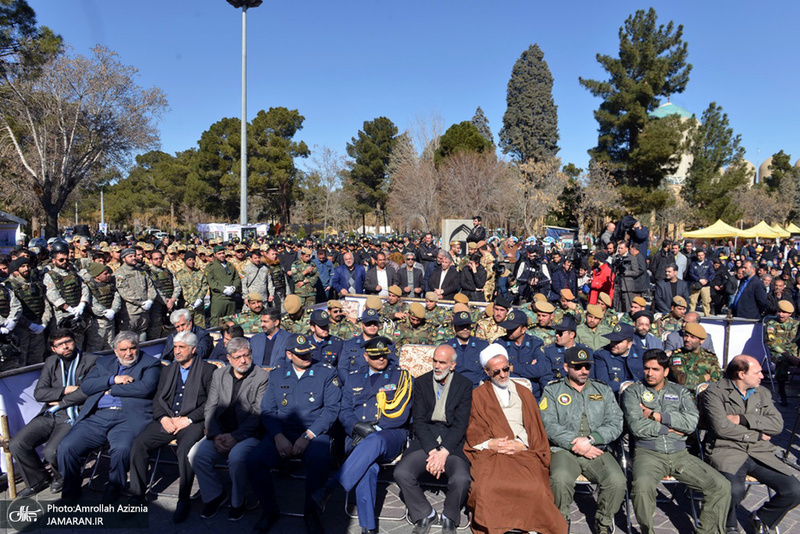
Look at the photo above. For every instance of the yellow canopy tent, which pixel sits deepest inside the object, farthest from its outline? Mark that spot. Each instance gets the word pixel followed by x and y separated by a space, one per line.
pixel 717 230
pixel 762 229
pixel 793 228
pixel 781 232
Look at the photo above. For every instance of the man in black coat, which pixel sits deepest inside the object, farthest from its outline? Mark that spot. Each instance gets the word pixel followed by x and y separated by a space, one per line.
pixel 178 414
pixel 379 277
pixel 668 289
pixel 59 388
pixel 478 232
pixel 183 322
pixel 445 280
pixel 751 300
pixel 442 400
pixel 409 278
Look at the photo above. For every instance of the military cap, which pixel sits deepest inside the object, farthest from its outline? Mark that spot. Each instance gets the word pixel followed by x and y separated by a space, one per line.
pixel 488 311
pixel 472 245
pixel 374 302
pixel 492 351
pixel 292 303
pixel 378 346
pixel 503 302
pixel 299 345
pixel 679 301
pixel 785 306
pixel 17 263
pixel 240 246
pixel 462 318
pixel 255 296
pixel 217 248
pixel 189 256
pixel 148 247
pixel 114 248
pixel 642 313
pixel 333 303
pixel 621 331
pixel 640 301
pixel 696 330
pixel 95 269
pixel 544 307
pixel 127 252
pixel 575 355
pixel 459 307
pixel 538 296
pixel 181 247
pixel 396 291
pixel 173 248
pixel 605 299
pixel 461 297
pixel 432 296
pixel 480 244
pixel 567 322
pixel 595 311
pixel 514 319
pixel 320 318
pixel 76 239
pixel 305 250
pixel 103 243
pixel 370 316
pixel 417 310
pixel 567 294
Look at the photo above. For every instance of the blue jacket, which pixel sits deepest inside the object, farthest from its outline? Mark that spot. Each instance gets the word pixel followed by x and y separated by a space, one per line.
pixel 698 272
pixel 360 394
pixel 613 370
pixel 204 344
pixel 552 357
pixel 340 275
pixel 753 302
pixel 526 360
pixel 562 279
pixel 136 397
pixel 468 361
pixel 258 344
pixel 351 357
pixel 327 351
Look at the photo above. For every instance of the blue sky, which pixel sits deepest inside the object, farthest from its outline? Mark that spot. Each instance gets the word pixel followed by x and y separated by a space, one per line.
pixel 342 63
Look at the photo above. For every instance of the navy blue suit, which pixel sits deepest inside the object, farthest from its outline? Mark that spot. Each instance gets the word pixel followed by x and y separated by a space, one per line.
pixel 351 358
pixel 119 427
pixel 526 360
pixel 753 301
pixel 341 274
pixel 468 363
pixel 328 350
pixel 360 470
pixel 204 344
pixel 290 406
pixel 553 359
pixel 613 370
pixel 258 344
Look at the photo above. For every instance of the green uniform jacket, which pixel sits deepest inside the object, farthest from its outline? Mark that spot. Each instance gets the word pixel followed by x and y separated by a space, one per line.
pixel 592 339
pixel 728 445
pixel 677 409
pixel 690 368
pixel 310 280
pixel 563 408
pixel 779 337
pixel 218 278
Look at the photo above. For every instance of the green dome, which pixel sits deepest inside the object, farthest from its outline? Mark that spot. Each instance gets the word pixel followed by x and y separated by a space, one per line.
pixel 665 110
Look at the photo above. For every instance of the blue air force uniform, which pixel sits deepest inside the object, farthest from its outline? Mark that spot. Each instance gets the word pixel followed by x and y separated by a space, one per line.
pixel 327 350
pixel 553 359
pixel 352 359
pixel 468 362
pixel 526 360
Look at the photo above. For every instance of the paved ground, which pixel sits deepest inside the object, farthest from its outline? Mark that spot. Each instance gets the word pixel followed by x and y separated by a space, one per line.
pixel 673 514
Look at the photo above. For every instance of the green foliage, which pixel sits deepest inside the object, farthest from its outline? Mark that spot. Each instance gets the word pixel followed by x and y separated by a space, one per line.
pixel 708 189
pixel 530 123
pixel 651 64
pixel 482 124
pixel 371 151
pixel 566 213
pixel 301 233
pixel 642 200
pixel 781 169
pixel 24 47
pixel 659 151
pixel 217 169
pixel 461 137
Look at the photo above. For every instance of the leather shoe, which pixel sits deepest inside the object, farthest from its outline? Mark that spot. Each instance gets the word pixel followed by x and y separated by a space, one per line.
pixel 267 521
pixel 182 510
pixel 313 520
pixel 758 526
pixel 57 485
pixel 365 530
pixel 423 526
pixel 212 507
pixel 448 526
pixel 33 490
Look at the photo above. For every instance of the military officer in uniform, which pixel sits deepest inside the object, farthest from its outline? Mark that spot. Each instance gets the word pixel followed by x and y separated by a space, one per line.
pixel 341 326
pixel 610 317
pixel 26 285
pixel 65 290
pixel 305 276
pixel 106 304
pixel 489 328
pixel 568 305
pixel 523 350
pixel 544 322
pixel 468 349
pixel 295 320
pixel 592 332
pixel 298 409
pixel 672 321
pixel 250 318
pixel 256 275
pixel 582 417
pixel 418 330
pixel 137 292
pixel 395 309
pixel 553 355
pixel 194 287
pixel 779 336
pixel 168 291
pixel 352 356
pixel 692 365
pixel 620 361
pixel 660 414
pixel 278 277
pixel 434 314
pixel 327 348
pixel 224 283
pixel 637 304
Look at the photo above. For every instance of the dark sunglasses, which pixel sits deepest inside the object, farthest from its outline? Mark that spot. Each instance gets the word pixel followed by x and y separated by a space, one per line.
pixel 503 370
pixel 580 366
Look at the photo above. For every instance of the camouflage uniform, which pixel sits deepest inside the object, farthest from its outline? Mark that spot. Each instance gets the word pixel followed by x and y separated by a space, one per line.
pixel 64 286
pixel 135 288
pixel 689 368
pixel 30 294
pixel 578 314
pixel 194 287
pixel 167 287
pixel 489 330
pixel 113 265
pixel 249 321
pixel 487 260
pixel 610 319
pixel 344 329
pixel 424 334
pixel 667 323
pixel 10 311
pixel 779 338
pixel 299 325
pixel 389 310
pixel 437 316
pixel 308 291
pixel 545 333
pixel 278 276
pixel 101 330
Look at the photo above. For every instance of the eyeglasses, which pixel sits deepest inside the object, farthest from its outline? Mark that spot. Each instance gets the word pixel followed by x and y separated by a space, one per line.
pixel 580 366
pixel 504 370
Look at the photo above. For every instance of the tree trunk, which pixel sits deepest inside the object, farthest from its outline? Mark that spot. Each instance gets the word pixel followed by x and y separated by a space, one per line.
pixel 51 224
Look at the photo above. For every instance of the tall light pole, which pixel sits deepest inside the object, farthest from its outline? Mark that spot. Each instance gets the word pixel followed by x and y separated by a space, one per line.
pixel 245 5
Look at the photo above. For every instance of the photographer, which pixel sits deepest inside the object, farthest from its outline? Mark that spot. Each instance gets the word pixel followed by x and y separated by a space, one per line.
pixel 473 278
pixel 602 280
pixel 626 271
pixel 564 278
pixel 532 275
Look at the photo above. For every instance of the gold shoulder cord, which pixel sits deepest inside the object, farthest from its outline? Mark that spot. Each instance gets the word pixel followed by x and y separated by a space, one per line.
pixel 400 400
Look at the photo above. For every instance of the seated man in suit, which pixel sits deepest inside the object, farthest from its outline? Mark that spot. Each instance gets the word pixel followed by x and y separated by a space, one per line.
pixel 441 404
pixel 183 322
pixel 409 277
pixel 269 347
pixel 178 413
pixel 229 331
pixel 232 429
pixel 379 277
pixel 668 289
pixel 119 405
pixel 445 280
pixel 59 388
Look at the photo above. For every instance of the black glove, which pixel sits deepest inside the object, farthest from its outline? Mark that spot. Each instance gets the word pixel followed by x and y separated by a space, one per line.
pixel 361 430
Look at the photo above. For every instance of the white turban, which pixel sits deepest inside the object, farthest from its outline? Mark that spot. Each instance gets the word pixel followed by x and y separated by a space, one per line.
pixel 495 349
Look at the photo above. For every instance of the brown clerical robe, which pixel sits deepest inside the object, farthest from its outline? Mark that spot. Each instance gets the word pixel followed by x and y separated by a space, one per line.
pixel 510 491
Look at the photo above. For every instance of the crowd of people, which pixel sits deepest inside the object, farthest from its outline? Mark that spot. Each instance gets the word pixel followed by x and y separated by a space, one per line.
pixel 563 367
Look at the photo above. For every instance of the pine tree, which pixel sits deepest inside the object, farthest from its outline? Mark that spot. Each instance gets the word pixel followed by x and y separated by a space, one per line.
pixel 370 151
pixel 482 124
pixel 530 123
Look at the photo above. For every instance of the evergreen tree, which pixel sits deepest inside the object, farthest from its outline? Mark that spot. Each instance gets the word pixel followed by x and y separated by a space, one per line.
pixel 651 64
pixel 482 124
pixel 463 136
pixel 530 123
pixel 371 151
pixel 785 181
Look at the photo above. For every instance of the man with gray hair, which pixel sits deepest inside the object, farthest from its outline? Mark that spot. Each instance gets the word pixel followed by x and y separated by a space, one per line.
pixel 232 429
pixel 120 389
pixel 183 321
pixel 178 414
pixel 445 280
